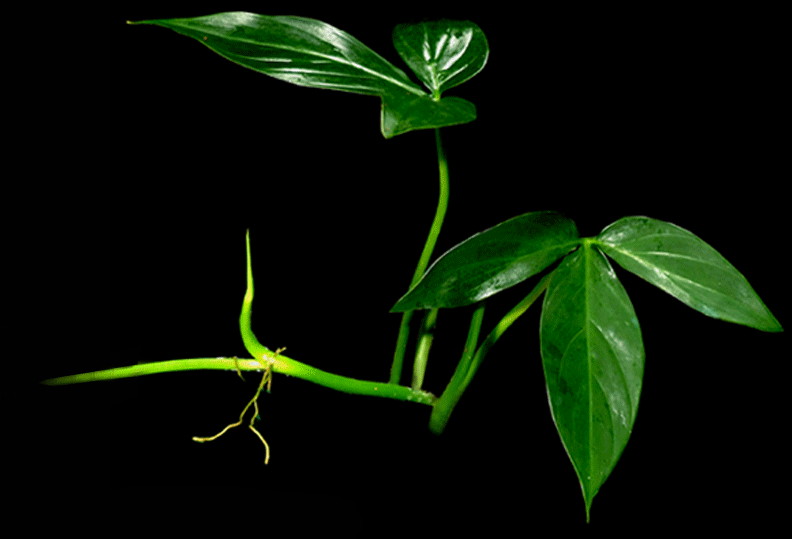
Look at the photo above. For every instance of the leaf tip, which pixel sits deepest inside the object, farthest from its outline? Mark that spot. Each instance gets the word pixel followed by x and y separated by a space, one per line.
pixel 588 509
pixel 777 328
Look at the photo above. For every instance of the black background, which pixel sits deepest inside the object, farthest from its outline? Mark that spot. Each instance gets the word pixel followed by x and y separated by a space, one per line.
pixel 150 156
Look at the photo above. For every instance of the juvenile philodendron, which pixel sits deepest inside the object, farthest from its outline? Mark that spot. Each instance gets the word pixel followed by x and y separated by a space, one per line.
pixel 591 347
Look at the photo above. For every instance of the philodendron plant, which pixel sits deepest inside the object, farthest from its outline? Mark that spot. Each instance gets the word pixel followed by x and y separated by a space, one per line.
pixel 591 345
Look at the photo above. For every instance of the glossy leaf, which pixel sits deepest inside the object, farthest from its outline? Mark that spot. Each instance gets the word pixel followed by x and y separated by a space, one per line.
pixel 311 53
pixel 443 54
pixel 686 267
pixel 493 260
pixel 593 359
pixel 409 112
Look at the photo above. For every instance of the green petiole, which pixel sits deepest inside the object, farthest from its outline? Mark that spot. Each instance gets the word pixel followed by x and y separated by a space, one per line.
pixel 468 365
pixel 423 262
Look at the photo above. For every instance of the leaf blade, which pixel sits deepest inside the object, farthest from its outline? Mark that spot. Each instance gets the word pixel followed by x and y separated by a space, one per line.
pixel 401 114
pixel 492 261
pixel 302 51
pixel 593 359
pixel 683 265
pixel 443 54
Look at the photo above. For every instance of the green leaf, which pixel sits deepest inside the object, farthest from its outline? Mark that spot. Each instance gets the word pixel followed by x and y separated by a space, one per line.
pixel 593 359
pixel 302 51
pixel 408 112
pixel 311 53
pixel 680 263
pixel 493 260
pixel 443 54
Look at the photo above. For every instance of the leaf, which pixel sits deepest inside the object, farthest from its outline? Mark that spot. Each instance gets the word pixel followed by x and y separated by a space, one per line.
pixel 401 114
pixel 680 263
pixel 302 51
pixel 593 358
pixel 311 53
pixel 443 54
pixel 493 260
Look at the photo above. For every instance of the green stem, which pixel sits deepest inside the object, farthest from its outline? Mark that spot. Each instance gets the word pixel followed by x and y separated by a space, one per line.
pixel 401 348
pixel 281 364
pixel 465 371
pixel 262 355
pixel 423 262
pixel 470 348
pixel 424 344
pixel 142 369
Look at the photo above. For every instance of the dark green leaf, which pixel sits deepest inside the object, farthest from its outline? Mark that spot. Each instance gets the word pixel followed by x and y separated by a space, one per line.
pixel 311 53
pixel 593 359
pixel 302 51
pixel 491 261
pixel 408 112
pixel 683 265
pixel 443 54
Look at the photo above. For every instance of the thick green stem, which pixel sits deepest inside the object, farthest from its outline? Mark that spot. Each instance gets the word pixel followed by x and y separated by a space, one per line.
pixel 426 255
pixel 467 369
pixel 281 364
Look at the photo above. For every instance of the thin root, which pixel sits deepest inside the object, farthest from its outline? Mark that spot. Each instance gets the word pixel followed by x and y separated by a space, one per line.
pixel 266 378
pixel 216 436
pixel 266 445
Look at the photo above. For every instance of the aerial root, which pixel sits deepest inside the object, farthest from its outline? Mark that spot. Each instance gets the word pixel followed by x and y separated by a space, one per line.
pixel 236 364
pixel 267 378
